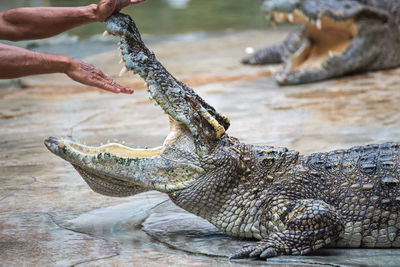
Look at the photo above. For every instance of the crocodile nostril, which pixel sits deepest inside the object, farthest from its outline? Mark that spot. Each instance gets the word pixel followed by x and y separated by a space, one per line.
pixel 51 141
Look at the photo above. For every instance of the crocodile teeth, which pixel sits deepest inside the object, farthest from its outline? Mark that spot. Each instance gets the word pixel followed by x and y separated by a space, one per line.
pixel 106 33
pixel 121 61
pixel 123 71
pixel 319 24
pixel 290 17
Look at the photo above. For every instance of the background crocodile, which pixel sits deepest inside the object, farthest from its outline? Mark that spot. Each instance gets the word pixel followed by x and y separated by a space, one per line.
pixel 336 38
pixel 294 204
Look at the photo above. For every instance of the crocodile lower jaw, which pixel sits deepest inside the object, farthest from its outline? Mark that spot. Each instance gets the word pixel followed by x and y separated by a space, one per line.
pixel 122 151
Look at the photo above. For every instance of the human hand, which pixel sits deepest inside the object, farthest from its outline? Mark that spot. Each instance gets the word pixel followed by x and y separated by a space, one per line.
pixel 88 74
pixel 105 8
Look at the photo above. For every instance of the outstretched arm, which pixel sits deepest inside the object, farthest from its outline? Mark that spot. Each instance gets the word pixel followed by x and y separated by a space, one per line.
pixel 42 22
pixel 17 62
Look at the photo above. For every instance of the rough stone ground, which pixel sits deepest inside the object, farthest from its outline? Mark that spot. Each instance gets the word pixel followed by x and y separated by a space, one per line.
pixel 50 217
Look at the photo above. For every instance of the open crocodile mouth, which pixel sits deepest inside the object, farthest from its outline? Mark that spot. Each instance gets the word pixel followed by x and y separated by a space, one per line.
pixel 118 170
pixel 327 37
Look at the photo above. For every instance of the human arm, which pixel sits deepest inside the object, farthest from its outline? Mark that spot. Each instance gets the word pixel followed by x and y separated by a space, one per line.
pixel 42 22
pixel 17 62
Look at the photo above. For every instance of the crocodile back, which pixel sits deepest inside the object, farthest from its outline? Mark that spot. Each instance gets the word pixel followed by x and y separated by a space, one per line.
pixel 363 184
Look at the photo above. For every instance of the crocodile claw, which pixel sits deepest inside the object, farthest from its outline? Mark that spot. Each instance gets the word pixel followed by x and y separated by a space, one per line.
pixel 268 253
pixel 262 250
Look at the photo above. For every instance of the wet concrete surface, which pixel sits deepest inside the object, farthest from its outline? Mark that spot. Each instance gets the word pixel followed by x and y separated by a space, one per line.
pixel 50 217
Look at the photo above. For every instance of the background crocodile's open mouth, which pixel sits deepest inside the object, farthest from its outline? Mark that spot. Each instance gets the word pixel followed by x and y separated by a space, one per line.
pixel 326 38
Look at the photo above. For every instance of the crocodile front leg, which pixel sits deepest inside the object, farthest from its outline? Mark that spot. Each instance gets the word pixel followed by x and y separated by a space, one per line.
pixel 278 52
pixel 309 225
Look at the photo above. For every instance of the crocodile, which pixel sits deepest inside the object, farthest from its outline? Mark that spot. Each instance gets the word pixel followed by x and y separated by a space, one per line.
pixel 335 38
pixel 293 204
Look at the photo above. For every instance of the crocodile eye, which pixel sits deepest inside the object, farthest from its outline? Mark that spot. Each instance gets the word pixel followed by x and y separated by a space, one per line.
pixel 268 160
pixel 269 157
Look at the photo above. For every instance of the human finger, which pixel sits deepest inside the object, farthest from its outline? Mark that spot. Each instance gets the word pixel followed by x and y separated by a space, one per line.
pixel 105 8
pixel 109 84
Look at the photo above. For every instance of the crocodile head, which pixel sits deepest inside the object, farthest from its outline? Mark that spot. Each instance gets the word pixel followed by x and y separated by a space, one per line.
pixel 336 37
pixel 195 130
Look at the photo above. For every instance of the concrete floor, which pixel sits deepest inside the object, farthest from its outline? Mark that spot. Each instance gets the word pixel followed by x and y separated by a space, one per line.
pixel 50 217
